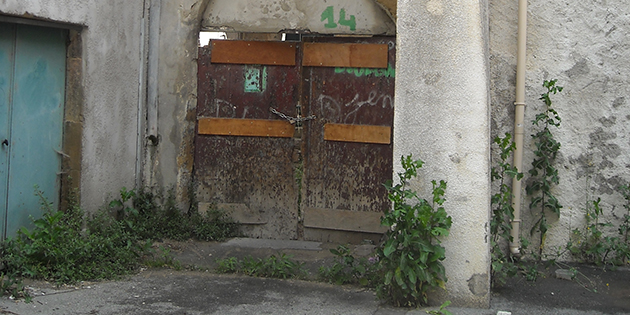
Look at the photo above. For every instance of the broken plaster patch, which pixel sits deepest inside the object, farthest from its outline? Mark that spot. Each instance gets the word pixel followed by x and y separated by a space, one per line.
pixel 479 284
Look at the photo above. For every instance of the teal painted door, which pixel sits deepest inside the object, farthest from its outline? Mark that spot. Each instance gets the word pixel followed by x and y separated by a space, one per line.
pixel 32 90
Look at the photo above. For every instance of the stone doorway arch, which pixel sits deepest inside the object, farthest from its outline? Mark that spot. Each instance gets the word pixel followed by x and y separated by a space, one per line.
pixel 338 196
pixel 177 24
pixel 362 17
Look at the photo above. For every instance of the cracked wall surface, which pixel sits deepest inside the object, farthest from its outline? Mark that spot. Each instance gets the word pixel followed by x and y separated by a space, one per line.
pixel 584 45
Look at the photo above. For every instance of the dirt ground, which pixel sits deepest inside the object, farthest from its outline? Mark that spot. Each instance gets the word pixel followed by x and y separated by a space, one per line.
pixel 593 288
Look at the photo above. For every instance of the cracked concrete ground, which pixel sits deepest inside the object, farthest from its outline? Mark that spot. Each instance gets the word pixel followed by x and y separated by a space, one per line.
pixel 165 291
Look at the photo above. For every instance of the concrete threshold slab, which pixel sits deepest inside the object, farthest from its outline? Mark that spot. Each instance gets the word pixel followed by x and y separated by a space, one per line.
pixel 273 244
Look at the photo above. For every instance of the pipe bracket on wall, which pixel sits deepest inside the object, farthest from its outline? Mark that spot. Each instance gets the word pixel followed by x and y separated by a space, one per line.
pixel 5 142
pixel 153 140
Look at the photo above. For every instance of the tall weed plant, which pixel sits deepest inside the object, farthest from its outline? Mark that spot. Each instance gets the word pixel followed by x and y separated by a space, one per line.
pixel 411 256
pixel 544 175
pixel 503 264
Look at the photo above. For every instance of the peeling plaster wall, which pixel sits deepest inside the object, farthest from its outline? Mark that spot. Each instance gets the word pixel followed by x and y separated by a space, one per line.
pixel 169 164
pixel 442 117
pixel 111 62
pixel 272 16
pixel 585 46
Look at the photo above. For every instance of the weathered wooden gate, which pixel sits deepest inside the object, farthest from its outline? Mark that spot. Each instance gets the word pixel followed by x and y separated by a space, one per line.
pixel 294 138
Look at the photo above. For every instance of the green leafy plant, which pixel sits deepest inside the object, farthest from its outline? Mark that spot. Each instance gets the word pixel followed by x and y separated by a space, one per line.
pixel 121 205
pixel 531 272
pixel 348 269
pixel 624 227
pixel 442 310
pixel 68 246
pixel 58 249
pixel 503 265
pixel 159 220
pixel 411 254
pixel 281 266
pixel 543 173
pixel 593 245
pixel 12 285
pixel 162 258
pixel 228 265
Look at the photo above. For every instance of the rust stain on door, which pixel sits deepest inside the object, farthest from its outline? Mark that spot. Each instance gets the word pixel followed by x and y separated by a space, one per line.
pixel 256 172
pixel 261 174
pixel 348 176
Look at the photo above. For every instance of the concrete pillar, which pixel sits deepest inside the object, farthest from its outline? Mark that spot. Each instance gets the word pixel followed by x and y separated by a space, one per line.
pixel 442 117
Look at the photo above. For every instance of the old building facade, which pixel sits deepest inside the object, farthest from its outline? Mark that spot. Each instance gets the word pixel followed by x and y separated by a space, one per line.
pixel 131 108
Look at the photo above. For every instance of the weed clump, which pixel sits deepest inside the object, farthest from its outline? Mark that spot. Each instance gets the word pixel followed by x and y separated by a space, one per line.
pixel 411 255
pixel 58 249
pixel 348 269
pixel 66 247
pixel 281 267
pixel 408 265
pixel 592 245
pixel 168 222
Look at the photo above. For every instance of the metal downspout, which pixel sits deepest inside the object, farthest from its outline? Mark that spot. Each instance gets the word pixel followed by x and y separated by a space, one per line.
pixel 152 137
pixel 519 116
pixel 142 95
pixel 152 72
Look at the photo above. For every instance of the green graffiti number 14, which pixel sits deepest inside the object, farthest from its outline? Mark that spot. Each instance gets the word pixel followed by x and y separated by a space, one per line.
pixel 329 14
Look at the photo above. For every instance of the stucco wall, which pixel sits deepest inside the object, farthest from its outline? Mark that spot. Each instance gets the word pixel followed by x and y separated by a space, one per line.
pixel 111 42
pixel 307 15
pixel 584 45
pixel 169 161
pixel 442 117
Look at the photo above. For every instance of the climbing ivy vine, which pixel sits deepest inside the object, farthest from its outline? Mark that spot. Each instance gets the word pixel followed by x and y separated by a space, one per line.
pixel 543 174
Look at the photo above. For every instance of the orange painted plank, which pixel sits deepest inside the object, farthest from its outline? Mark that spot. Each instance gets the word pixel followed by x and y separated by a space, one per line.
pixel 358 133
pixel 345 55
pixel 253 52
pixel 245 127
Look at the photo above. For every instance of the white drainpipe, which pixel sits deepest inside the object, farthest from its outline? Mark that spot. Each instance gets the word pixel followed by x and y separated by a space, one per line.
pixel 519 116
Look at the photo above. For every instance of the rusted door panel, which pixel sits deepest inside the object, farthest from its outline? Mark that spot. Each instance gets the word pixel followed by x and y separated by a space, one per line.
pixel 340 175
pixel 251 173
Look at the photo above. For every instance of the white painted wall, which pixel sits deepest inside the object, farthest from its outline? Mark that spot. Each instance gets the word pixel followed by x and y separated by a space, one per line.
pixel 111 61
pixel 585 46
pixel 441 117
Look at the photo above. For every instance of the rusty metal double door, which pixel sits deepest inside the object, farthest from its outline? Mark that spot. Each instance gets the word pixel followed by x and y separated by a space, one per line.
pixel 294 138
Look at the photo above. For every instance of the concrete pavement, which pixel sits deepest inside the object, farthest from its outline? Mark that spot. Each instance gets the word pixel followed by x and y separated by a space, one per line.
pixel 165 291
